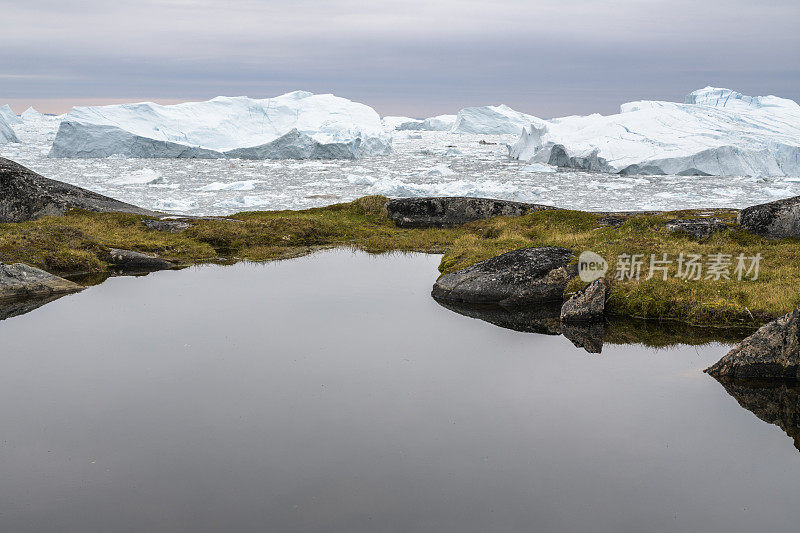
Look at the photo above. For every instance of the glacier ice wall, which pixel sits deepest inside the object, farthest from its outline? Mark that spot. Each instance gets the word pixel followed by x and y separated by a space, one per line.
pixel 297 125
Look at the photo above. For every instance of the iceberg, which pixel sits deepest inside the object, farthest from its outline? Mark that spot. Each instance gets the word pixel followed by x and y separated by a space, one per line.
pixel 714 131
pixel 492 120
pixel 437 123
pixel 296 125
pixel 391 123
pixel 7 134
pixel 7 114
pixel 31 114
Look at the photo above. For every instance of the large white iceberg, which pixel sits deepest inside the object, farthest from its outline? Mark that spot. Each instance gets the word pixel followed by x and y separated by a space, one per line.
pixel 7 134
pixel 296 125
pixel 7 114
pixel 492 120
pixel 714 132
pixel 437 123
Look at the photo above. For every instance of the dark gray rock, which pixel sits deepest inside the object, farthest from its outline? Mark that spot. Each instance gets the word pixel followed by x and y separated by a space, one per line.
pixel 25 195
pixel 700 228
pixel 774 219
pixel 521 277
pixel 542 319
pixel 586 305
pixel 171 226
pixel 19 281
pixel 452 211
pixel 129 261
pixel 771 352
pixel 586 335
pixel 773 401
pixel 592 162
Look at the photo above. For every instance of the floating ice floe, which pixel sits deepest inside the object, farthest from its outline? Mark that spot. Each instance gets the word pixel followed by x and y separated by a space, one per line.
pixel 9 116
pixel 714 132
pixel 493 120
pixel 244 185
pixel 296 125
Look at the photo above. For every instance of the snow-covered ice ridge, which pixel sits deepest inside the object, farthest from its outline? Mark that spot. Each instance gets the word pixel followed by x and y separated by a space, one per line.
pixel 296 125
pixel 714 132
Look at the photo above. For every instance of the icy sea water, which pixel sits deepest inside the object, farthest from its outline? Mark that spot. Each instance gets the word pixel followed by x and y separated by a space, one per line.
pixel 331 393
pixel 423 164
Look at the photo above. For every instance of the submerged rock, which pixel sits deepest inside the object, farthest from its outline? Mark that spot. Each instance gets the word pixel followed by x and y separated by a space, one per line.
pixel 129 261
pixel 25 195
pixel 19 281
pixel 520 277
pixel 453 211
pixel 774 219
pixel 586 305
pixel 771 352
pixel 700 228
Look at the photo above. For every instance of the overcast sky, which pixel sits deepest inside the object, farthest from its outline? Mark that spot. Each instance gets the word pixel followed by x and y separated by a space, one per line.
pixel 410 57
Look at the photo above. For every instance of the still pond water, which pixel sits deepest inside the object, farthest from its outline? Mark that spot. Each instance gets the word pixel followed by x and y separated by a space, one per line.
pixel 331 393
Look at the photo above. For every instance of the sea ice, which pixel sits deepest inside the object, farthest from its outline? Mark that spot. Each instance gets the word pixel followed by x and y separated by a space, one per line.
pixel 297 125
pixel 714 132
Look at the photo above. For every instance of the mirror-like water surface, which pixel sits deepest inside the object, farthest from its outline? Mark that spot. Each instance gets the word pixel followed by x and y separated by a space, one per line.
pixel 331 393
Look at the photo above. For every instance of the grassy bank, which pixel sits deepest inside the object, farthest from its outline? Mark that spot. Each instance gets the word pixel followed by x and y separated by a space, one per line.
pixel 79 242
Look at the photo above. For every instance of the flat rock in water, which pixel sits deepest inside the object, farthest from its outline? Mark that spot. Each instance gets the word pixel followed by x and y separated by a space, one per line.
pixel 25 195
pixel 19 281
pixel 453 211
pixel 586 305
pixel 700 228
pixel 129 261
pixel 771 352
pixel 521 277
pixel 774 219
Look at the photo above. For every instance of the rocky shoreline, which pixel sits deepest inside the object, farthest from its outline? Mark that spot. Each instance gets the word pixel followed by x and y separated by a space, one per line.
pixel 525 277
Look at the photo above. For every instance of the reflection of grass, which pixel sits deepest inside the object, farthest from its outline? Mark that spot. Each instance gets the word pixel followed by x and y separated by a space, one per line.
pixel 662 334
pixel 79 241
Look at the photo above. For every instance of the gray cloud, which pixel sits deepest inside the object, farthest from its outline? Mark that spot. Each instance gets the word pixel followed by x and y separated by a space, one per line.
pixel 413 57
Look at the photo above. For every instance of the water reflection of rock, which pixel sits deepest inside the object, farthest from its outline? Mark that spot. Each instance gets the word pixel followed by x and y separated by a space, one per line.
pixel 592 336
pixel 544 319
pixel 773 401
pixel 11 309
